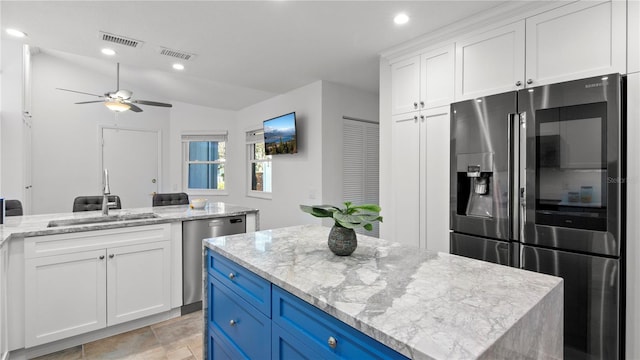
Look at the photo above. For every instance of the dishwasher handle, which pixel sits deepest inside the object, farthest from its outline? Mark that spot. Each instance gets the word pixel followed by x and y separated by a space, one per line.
pixel 235 220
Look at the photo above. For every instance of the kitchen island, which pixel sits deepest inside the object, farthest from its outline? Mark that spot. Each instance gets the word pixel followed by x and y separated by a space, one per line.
pixel 420 304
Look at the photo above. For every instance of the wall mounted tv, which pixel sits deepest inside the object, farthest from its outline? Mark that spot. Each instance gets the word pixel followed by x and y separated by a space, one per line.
pixel 280 135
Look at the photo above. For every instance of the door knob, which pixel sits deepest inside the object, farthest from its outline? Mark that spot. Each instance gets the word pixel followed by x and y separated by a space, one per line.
pixel 518 83
pixel 529 81
pixel 153 181
pixel 111 256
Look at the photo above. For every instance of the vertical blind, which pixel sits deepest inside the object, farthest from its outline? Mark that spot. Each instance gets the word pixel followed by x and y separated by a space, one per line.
pixel 360 168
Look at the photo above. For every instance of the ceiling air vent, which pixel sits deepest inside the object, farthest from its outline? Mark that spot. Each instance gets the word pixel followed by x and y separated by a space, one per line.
pixel 120 40
pixel 176 54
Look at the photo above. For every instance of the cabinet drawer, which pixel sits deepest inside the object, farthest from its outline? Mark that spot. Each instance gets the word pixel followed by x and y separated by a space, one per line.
pixel 217 350
pixel 237 323
pixel 314 329
pixel 252 288
pixel 286 346
pixel 59 244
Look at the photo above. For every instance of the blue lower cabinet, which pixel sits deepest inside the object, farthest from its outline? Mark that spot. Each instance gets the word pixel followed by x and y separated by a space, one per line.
pixel 250 318
pixel 285 346
pixel 323 334
pixel 252 288
pixel 216 350
pixel 236 324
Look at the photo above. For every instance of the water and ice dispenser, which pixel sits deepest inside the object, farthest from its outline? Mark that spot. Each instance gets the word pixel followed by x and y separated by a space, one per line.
pixel 475 177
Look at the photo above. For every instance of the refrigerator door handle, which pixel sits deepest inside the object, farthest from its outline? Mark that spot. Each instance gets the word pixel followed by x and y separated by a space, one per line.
pixel 522 173
pixel 514 171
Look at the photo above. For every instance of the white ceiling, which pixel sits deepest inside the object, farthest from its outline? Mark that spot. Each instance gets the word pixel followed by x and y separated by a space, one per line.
pixel 247 51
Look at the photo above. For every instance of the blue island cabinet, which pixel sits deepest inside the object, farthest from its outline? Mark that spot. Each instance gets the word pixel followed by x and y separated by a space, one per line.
pixel 250 318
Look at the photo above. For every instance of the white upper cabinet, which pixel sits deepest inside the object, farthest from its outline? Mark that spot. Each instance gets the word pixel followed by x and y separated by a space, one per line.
pixel 436 77
pixel 405 85
pixel 490 62
pixel 634 36
pixel 423 82
pixel 575 41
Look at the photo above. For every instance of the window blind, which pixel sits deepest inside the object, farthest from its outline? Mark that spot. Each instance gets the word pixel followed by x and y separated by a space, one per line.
pixel 214 136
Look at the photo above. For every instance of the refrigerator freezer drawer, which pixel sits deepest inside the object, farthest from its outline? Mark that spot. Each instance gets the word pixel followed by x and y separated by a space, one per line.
pixel 591 306
pixel 475 247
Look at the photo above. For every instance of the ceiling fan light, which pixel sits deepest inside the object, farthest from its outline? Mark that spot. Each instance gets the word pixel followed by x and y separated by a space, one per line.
pixel 117 106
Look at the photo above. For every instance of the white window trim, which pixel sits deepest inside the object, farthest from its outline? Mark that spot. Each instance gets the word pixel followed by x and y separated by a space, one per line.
pixel 253 137
pixel 185 138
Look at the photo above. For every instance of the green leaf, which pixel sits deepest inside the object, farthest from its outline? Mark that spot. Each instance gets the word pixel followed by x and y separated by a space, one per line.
pixel 350 217
pixel 320 211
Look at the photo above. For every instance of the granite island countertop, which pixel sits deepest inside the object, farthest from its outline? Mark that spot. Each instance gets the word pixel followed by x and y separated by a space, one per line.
pixel 423 304
pixel 36 225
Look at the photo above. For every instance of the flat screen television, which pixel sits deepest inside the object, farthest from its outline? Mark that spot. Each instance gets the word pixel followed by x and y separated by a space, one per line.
pixel 280 135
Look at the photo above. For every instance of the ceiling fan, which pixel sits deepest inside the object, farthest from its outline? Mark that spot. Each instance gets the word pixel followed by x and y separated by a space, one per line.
pixel 119 100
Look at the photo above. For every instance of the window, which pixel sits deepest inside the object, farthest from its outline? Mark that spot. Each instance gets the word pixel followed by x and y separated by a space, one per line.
pixel 204 162
pixel 259 165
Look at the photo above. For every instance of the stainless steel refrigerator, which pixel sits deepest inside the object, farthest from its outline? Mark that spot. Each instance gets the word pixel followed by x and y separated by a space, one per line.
pixel 537 182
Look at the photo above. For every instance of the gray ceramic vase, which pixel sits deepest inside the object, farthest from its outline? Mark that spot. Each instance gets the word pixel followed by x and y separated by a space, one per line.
pixel 342 241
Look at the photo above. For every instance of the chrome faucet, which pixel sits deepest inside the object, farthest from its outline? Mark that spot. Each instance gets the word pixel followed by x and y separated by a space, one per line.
pixel 106 191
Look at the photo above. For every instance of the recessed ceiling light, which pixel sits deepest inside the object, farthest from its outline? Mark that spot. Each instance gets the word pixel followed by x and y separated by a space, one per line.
pixel 108 51
pixel 16 33
pixel 178 66
pixel 401 19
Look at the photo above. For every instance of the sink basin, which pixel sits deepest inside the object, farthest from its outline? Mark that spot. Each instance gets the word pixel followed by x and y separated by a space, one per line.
pixel 101 219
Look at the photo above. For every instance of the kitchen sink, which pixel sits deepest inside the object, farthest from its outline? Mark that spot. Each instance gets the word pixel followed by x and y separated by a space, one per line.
pixel 101 219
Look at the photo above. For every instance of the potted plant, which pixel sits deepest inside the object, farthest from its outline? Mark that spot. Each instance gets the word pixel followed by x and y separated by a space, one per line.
pixel 342 237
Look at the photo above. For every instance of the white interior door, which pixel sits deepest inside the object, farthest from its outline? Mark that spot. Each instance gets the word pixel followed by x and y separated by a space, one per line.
pixel 132 158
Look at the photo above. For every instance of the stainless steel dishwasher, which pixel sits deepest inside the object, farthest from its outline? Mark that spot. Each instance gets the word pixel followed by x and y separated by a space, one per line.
pixel 193 232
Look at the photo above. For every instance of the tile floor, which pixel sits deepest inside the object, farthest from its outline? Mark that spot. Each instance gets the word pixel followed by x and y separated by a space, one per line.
pixel 175 339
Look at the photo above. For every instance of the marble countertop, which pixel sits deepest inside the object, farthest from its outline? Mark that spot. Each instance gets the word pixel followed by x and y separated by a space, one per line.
pixel 36 225
pixel 423 304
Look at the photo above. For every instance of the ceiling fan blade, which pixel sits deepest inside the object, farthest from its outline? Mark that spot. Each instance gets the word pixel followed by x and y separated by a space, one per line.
pixel 79 92
pixel 152 103
pixel 89 102
pixel 134 108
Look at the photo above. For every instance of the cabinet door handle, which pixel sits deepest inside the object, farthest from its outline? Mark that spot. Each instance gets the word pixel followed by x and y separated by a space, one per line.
pixel 111 256
pixel 529 81
pixel 332 342
pixel 518 83
pixel 232 322
pixel 422 118
pixel 421 104
pixel 415 119
pixel 232 276
pixel 101 257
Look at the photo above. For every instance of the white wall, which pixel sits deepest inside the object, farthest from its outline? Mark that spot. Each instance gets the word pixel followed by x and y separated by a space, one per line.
pixel 188 118
pixel 66 152
pixel 296 178
pixel 11 140
pixel 314 174
pixel 339 101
